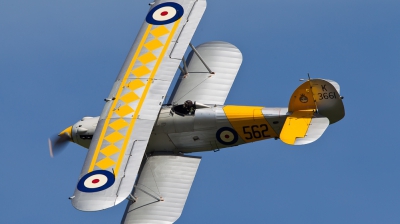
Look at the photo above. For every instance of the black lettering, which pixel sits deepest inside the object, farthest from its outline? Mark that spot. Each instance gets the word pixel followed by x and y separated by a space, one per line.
pixel 256 133
pixel 246 132
pixel 264 131
pixel 324 88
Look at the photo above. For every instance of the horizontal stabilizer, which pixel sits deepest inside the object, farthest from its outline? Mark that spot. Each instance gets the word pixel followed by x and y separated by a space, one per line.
pixel 303 127
pixel 162 189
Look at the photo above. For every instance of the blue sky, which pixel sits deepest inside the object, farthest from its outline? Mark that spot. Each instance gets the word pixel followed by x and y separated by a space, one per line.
pixel 59 59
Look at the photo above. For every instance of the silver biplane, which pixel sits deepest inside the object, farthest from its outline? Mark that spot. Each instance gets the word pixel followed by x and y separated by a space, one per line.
pixel 139 147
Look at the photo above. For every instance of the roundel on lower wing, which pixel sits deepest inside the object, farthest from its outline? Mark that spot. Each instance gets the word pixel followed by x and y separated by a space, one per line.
pixel 164 13
pixel 95 181
pixel 227 136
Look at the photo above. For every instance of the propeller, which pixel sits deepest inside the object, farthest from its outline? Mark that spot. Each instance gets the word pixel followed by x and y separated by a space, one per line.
pixel 58 142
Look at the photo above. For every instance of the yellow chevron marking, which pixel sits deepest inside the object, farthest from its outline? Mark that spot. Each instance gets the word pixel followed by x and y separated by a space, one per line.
pixel 105 163
pixel 124 110
pixel 153 44
pixel 129 97
pixel 110 150
pixel 161 30
pixel 146 90
pixel 141 71
pixel 247 119
pixel 147 57
pixel 114 137
pixel 107 120
pixel 135 84
pixel 118 124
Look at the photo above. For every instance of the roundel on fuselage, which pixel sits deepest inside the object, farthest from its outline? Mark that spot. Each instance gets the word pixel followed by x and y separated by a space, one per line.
pixel 227 136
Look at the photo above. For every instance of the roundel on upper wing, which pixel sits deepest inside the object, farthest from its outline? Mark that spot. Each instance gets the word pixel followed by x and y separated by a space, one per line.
pixel 95 181
pixel 227 136
pixel 165 13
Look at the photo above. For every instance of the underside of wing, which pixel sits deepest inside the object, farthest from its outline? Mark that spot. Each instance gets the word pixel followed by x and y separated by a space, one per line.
pixel 125 125
pixel 224 59
pixel 161 190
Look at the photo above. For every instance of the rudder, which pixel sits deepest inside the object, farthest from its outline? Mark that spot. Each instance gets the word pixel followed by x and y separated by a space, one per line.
pixel 313 106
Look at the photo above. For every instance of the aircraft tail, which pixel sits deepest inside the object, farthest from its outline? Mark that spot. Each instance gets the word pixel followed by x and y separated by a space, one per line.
pixel 313 106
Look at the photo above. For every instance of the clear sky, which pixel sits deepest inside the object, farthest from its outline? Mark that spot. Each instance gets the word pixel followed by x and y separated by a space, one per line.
pixel 58 61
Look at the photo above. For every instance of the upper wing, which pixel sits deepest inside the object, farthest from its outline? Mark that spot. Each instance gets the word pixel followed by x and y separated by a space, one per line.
pixel 224 59
pixel 121 136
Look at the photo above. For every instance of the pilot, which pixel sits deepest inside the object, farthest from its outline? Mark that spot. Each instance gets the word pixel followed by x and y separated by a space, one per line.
pixel 189 107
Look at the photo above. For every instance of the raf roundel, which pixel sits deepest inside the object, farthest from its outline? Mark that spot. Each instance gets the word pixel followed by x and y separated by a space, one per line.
pixel 95 181
pixel 227 136
pixel 165 13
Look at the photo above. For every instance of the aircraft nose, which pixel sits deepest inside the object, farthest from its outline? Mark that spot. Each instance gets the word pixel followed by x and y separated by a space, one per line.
pixel 67 131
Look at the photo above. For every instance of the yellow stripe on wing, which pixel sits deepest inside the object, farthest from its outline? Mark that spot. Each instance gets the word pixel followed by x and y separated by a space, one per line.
pixel 120 121
pixel 147 87
pixel 107 120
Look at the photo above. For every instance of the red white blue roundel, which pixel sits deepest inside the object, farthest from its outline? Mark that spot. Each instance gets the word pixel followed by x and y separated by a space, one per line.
pixel 227 136
pixel 95 181
pixel 164 13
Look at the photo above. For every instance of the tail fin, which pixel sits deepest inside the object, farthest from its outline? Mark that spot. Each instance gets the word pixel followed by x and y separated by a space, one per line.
pixel 314 105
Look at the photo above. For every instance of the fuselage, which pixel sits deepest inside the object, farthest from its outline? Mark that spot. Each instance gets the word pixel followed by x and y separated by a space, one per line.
pixel 214 128
pixel 207 128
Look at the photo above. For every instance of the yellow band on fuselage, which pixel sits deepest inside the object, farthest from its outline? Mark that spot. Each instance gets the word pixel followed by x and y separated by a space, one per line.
pixel 249 122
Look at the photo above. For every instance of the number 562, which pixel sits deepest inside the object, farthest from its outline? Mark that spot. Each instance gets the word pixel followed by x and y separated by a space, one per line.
pixel 256 131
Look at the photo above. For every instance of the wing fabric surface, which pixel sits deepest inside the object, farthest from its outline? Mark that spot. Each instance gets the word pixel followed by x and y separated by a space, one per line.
pixel 122 134
pixel 162 189
pixel 199 85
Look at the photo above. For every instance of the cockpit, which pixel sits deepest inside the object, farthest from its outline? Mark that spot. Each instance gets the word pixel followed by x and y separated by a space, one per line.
pixel 188 108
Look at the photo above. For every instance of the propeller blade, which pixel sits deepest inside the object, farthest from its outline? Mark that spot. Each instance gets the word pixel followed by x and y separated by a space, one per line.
pixel 58 142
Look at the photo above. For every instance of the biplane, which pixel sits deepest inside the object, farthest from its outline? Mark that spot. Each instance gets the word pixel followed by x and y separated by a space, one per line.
pixel 139 148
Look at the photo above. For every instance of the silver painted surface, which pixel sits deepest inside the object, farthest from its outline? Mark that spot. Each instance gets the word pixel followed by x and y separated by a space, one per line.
pixel 222 121
pixel 183 124
pixel 87 123
pixel 204 119
pixel 175 133
pixel 276 117
pixel 317 127
pixel 224 59
pixel 186 33
pixel 334 84
pixel 193 141
pixel 162 189
pixel 141 133
pixel 332 108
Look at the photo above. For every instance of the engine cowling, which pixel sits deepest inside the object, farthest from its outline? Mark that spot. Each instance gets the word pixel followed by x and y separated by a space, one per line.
pixel 83 130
